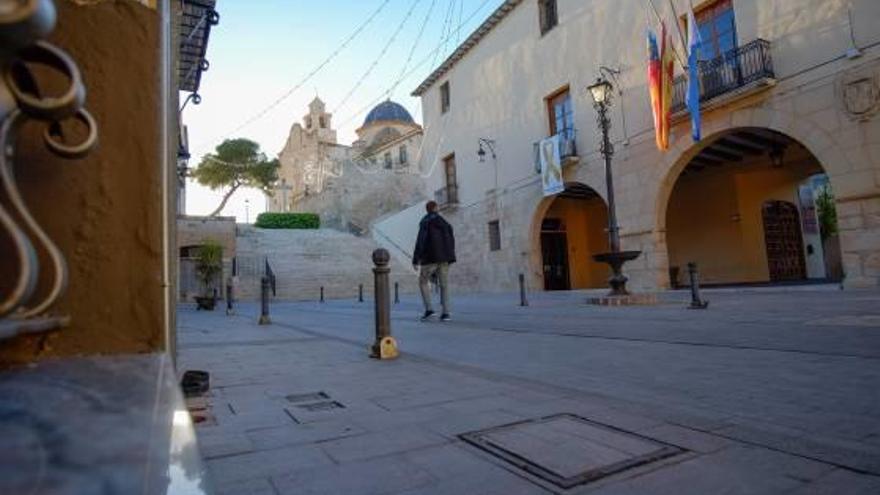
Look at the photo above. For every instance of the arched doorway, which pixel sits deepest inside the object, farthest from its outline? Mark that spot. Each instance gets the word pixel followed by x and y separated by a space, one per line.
pixel 572 228
pixel 746 209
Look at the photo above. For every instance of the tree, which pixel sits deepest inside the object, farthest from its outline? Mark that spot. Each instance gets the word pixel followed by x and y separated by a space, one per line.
pixel 827 213
pixel 236 163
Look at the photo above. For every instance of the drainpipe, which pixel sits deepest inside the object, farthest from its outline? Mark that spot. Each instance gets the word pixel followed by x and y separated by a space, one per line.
pixel 165 164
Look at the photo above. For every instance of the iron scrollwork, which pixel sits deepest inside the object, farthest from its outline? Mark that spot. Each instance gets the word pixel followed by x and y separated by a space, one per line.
pixel 24 306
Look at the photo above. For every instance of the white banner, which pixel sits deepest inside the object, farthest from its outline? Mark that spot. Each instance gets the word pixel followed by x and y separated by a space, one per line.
pixel 551 165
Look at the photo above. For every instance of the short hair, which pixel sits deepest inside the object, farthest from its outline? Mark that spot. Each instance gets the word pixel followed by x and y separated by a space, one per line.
pixel 431 207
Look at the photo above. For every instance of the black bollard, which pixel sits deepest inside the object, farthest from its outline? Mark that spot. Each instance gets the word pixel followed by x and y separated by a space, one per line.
pixel 229 309
pixel 361 293
pixel 385 346
pixel 696 301
pixel 264 301
pixel 522 291
pixel 322 294
pixel 396 293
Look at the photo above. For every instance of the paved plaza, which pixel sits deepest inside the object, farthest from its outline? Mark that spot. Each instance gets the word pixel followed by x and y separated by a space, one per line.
pixel 769 391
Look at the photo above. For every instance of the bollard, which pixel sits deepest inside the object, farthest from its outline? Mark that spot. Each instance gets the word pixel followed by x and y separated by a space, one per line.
pixel 385 347
pixel 229 310
pixel 696 301
pixel 322 295
pixel 396 293
pixel 264 301
pixel 360 292
pixel 522 291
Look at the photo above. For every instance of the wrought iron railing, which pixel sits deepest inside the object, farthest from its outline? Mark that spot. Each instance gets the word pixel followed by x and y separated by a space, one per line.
pixel 447 196
pixel 25 305
pixel 567 147
pixel 735 69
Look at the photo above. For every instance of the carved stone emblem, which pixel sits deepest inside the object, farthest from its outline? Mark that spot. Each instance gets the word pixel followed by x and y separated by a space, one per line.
pixel 860 94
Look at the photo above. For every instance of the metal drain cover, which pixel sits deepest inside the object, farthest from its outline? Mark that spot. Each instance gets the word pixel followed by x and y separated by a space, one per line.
pixel 568 450
pixel 310 397
pixel 321 406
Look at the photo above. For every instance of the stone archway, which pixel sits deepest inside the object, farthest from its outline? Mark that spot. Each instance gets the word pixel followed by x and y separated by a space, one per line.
pixel 573 223
pixel 682 151
pixel 713 214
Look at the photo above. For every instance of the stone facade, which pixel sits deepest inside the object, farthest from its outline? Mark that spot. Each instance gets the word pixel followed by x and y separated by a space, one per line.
pixel 809 104
pixel 349 187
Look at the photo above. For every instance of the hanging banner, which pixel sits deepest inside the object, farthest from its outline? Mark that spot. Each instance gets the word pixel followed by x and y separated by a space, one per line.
pixel 551 165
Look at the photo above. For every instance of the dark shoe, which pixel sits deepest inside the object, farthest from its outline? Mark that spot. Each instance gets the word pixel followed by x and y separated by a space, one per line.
pixel 445 317
pixel 427 316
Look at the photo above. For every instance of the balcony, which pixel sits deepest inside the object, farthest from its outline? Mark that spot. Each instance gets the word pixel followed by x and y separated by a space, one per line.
pixel 567 149
pixel 740 71
pixel 447 197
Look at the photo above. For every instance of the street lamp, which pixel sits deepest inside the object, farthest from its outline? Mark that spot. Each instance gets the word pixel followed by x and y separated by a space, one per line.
pixel 481 152
pixel 601 92
pixel 247 211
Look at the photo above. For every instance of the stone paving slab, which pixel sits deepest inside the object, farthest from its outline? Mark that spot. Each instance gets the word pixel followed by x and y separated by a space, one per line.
pixel 762 401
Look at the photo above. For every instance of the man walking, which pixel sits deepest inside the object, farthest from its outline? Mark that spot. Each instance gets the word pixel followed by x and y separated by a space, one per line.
pixel 435 250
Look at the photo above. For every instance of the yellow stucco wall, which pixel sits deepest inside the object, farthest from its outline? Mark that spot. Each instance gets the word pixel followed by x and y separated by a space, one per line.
pixel 585 223
pixel 715 219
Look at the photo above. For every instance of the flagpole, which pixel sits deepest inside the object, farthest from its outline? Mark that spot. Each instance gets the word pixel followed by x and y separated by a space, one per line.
pixel 660 19
pixel 677 24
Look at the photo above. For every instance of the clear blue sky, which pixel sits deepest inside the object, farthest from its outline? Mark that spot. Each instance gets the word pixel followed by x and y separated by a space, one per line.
pixel 262 49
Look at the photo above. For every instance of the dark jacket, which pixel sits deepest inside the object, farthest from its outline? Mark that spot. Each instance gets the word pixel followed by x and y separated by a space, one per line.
pixel 436 242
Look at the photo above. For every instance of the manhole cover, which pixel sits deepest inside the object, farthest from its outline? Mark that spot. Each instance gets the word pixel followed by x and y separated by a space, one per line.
pixel 321 406
pixel 307 397
pixel 568 450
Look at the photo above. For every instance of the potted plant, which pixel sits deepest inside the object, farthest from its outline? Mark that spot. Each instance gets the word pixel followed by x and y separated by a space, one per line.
pixel 209 264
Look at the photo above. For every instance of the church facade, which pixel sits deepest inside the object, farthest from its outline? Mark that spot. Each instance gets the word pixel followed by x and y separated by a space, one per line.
pixel 350 186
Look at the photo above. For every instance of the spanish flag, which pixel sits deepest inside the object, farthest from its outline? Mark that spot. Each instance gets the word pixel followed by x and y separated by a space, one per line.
pixel 666 82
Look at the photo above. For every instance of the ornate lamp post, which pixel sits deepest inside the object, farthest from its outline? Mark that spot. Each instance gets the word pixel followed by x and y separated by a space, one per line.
pixel 601 91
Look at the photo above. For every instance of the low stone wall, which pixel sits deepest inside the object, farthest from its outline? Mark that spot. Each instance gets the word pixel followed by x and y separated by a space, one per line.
pixel 305 260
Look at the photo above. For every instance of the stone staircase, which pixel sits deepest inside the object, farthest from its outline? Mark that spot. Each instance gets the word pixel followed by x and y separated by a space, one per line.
pixel 305 260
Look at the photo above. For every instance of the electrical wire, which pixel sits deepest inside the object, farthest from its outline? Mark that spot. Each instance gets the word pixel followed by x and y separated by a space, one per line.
pixel 379 57
pixel 415 68
pixel 335 53
pixel 412 50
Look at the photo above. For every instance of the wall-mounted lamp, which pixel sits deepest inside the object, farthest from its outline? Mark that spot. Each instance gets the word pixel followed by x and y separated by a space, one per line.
pixel 490 143
pixel 777 154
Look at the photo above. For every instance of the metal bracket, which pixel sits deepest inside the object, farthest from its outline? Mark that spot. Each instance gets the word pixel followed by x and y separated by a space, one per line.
pixel 24 305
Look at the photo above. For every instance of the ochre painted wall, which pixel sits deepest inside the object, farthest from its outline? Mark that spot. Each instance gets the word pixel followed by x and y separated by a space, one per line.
pixel 104 211
pixel 715 219
pixel 585 223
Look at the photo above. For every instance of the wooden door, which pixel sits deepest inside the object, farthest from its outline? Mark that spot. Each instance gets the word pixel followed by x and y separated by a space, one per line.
pixel 785 246
pixel 554 250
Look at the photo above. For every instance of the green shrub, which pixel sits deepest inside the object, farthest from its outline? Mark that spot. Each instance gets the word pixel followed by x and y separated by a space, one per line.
pixel 209 264
pixel 288 221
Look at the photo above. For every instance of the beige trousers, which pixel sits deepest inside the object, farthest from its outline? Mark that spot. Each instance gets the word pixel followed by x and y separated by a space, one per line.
pixel 442 271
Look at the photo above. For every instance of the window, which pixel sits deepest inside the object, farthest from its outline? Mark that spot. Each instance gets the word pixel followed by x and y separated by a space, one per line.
pixel 547 15
pixel 451 181
pixel 308 122
pixel 388 162
pixel 717 26
pixel 321 122
pixel 561 114
pixel 403 158
pixel 444 97
pixel 494 236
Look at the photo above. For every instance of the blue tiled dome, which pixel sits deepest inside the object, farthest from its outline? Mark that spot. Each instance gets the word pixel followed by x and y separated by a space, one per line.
pixel 388 110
